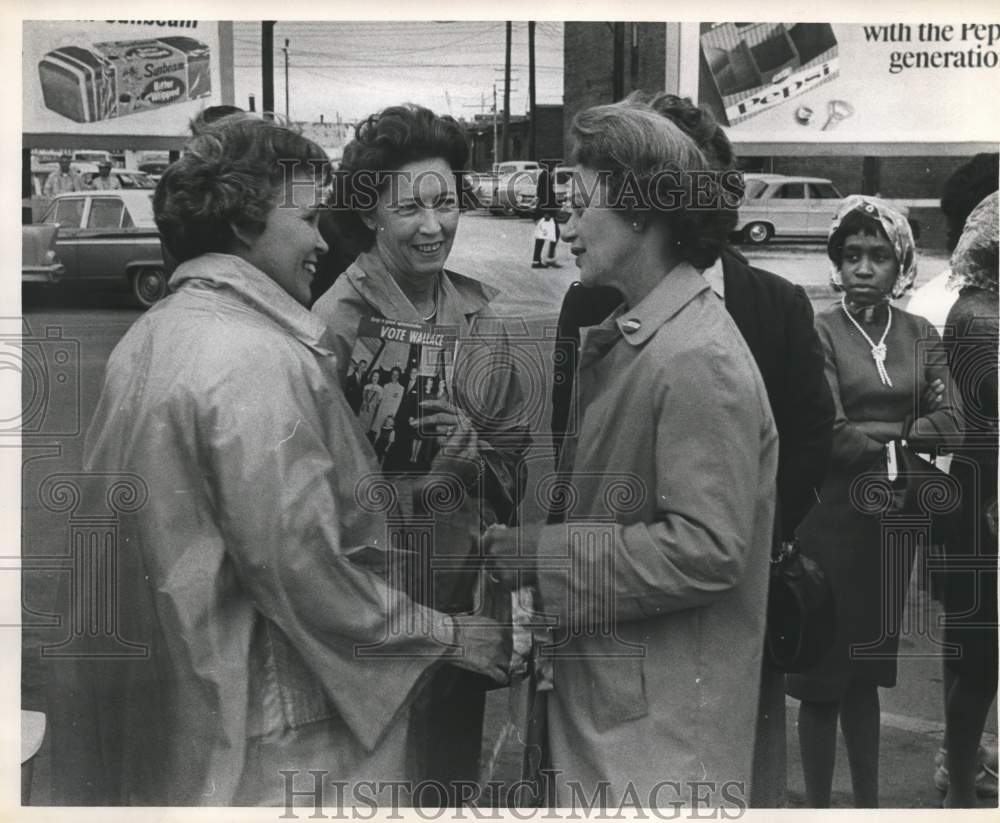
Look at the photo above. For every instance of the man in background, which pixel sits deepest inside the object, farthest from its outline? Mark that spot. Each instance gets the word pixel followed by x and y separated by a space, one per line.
pixel 104 179
pixel 62 179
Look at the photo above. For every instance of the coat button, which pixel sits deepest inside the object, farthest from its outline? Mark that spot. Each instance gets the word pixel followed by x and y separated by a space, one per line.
pixel 631 326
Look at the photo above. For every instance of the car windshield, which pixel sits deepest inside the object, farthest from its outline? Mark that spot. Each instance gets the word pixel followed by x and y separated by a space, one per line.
pixel 755 188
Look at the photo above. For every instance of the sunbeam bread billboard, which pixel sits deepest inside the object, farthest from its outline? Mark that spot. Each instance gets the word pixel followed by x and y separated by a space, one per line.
pixel 137 76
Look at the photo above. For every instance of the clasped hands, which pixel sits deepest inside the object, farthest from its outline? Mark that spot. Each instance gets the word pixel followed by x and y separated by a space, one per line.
pixel 488 646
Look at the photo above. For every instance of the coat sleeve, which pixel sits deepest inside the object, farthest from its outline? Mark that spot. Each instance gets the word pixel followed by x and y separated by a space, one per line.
pixel 489 381
pixel 710 474
pixel 804 417
pixel 940 427
pixel 277 482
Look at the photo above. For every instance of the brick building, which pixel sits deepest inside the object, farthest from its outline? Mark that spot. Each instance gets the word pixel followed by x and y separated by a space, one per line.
pixel 548 137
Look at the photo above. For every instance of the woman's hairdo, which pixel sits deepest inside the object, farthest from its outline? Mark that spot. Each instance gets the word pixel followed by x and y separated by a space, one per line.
pixel 696 123
pixel 855 222
pixel 231 174
pixel 384 143
pixel 667 160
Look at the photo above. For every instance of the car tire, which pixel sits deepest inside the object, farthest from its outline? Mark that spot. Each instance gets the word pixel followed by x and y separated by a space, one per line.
pixel 149 285
pixel 757 233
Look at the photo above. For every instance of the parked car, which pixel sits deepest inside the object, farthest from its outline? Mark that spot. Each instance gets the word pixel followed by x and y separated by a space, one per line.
pixel 127 178
pixel 778 205
pixel 516 186
pixel 39 261
pixel 110 238
pixel 560 185
pixel 40 202
pixel 154 168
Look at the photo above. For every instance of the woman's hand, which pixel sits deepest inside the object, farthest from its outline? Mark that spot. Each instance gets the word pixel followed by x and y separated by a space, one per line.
pixel 484 646
pixel 454 429
pixel 933 396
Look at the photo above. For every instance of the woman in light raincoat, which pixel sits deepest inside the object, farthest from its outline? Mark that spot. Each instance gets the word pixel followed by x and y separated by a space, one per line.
pixel 658 576
pixel 250 574
pixel 396 196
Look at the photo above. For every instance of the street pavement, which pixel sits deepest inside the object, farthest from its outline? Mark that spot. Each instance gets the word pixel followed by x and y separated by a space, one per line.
pixel 498 251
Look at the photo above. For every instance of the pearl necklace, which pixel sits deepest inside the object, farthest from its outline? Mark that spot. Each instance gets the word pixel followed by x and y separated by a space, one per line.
pixel 434 310
pixel 878 349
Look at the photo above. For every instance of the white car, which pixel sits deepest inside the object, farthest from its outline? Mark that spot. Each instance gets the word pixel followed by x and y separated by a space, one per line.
pixel 778 205
pixel 127 178
pixel 516 187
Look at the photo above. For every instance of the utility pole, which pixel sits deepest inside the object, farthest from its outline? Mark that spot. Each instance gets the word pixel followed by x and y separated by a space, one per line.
pixel 506 96
pixel 287 118
pixel 267 65
pixel 496 157
pixel 618 58
pixel 633 68
pixel 532 125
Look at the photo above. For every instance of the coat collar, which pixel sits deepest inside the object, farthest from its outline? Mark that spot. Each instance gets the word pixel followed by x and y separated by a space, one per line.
pixel 228 274
pixel 461 297
pixel 673 293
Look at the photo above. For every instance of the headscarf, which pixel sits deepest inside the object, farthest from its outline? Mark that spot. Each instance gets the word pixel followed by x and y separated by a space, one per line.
pixel 896 228
pixel 974 261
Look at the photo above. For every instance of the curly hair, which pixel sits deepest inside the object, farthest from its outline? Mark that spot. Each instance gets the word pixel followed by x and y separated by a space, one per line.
pixel 383 143
pixel 655 166
pixel 232 173
pixel 698 124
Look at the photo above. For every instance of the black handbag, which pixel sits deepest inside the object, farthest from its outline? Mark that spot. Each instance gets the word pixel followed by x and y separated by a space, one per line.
pixel 920 488
pixel 801 613
pixel 912 473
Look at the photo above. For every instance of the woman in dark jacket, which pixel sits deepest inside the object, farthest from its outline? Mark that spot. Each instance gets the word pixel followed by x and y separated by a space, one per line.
pixel 970 590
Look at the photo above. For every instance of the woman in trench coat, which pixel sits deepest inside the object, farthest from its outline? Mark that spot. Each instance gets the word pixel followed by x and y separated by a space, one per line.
pixel 247 574
pixel 658 573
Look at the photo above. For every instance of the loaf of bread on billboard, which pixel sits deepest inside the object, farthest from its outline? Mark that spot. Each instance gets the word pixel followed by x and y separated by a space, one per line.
pixel 118 78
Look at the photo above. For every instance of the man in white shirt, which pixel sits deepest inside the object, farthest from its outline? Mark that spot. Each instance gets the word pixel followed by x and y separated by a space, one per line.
pixel 105 180
pixel 62 179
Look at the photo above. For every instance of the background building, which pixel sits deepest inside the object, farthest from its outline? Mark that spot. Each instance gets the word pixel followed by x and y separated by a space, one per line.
pixel 604 61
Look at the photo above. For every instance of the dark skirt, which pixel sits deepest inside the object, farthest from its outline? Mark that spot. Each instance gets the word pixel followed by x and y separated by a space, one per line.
pixel 868 560
pixel 969 584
